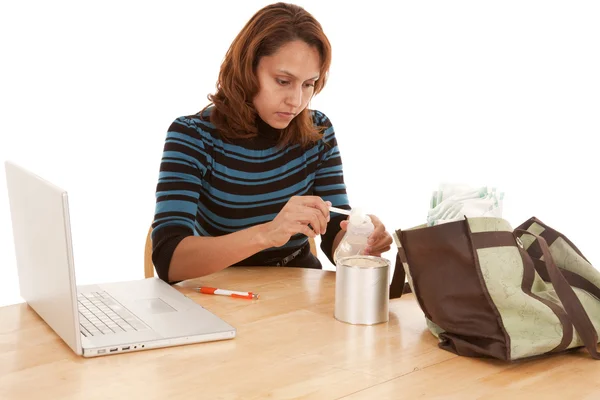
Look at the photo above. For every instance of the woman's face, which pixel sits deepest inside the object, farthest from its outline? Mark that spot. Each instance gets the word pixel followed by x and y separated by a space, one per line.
pixel 287 82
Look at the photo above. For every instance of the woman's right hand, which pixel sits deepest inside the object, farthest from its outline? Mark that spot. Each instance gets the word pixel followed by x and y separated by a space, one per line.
pixel 295 217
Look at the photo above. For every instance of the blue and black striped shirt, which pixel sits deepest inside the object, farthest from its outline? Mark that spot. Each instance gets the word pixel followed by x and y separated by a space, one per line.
pixel 210 186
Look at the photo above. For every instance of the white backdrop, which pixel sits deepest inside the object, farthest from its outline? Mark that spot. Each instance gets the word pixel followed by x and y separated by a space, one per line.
pixel 503 94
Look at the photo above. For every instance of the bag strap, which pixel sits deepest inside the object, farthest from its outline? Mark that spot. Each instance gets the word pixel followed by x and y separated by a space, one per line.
pixel 579 317
pixel 397 284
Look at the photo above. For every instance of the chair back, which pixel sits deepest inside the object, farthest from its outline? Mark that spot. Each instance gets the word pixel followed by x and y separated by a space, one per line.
pixel 148 265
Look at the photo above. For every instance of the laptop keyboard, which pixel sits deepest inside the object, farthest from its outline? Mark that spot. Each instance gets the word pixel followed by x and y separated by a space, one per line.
pixel 100 314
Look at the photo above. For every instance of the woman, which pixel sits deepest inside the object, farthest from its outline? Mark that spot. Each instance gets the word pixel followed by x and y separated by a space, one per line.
pixel 249 178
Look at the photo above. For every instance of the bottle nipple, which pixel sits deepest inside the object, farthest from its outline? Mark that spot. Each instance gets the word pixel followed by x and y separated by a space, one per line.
pixel 357 217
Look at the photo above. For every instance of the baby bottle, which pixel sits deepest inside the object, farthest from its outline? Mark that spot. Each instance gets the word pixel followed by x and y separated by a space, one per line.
pixel 357 233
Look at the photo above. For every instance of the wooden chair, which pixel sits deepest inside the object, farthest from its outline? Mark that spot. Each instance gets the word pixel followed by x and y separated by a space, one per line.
pixel 149 266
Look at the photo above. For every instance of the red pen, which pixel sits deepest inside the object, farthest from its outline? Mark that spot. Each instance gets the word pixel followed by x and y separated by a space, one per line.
pixel 224 292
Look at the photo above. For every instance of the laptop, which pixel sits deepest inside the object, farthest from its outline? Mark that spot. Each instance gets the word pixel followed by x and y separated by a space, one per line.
pixel 93 320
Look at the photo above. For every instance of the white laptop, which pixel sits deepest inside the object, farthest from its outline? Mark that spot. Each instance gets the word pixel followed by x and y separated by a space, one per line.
pixel 94 320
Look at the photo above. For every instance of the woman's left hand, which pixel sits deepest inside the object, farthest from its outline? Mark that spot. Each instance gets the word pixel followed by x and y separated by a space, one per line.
pixel 379 241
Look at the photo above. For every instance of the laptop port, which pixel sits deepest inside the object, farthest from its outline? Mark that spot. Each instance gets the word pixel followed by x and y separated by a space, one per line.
pixel 114 349
pixel 101 351
pixel 125 348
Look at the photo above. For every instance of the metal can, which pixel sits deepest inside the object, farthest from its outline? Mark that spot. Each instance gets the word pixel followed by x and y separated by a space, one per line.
pixel 362 290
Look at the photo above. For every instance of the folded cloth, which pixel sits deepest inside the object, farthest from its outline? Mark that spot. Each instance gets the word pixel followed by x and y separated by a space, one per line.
pixel 455 202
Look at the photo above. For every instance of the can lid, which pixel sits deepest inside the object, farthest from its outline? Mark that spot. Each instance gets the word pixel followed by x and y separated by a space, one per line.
pixel 368 262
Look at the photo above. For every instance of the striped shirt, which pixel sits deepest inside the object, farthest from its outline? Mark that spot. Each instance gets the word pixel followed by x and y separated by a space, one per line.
pixel 211 186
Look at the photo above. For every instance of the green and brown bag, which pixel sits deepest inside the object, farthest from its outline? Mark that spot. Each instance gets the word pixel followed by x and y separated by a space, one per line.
pixel 490 291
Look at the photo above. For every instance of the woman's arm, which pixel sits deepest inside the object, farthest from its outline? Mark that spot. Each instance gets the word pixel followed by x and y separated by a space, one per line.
pixel 197 256
pixel 329 184
pixel 337 240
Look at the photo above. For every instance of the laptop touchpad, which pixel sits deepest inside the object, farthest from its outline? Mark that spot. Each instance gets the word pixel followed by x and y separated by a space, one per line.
pixel 155 306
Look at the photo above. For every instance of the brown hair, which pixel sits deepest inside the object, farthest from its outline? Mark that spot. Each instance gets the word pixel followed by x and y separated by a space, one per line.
pixel 270 28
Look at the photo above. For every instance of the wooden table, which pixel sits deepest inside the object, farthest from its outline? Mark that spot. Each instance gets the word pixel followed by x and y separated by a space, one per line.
pixel 288 346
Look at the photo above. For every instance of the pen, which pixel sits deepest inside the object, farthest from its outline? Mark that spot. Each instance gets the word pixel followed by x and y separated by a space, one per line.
pixel 339 210
pixel 224 292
